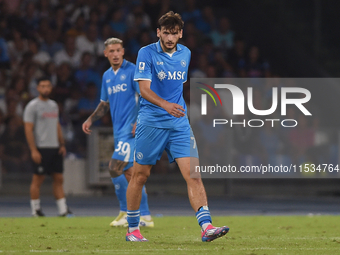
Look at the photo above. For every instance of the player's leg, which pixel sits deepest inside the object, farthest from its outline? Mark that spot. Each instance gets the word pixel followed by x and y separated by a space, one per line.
pixel 116 168
pixel 183 148
pixel 133 196
pixel 39 171
pixel 120 183
pixel 150 143
pixel 119 162
pixel 58 193
pixel 122 162
pixel 37 180
pixel 128 173
pixel 57 185
pixel 56 166
pixel 145 215
pixel 195 187
pixel 139 176
pixel 198 200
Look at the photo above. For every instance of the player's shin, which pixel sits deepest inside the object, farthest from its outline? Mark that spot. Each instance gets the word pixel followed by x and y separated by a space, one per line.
pixel 133 198
pixel 134 192
pixel 120 183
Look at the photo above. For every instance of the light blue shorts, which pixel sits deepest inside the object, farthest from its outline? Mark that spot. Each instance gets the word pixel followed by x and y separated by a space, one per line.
pixel 152 141
pixel 124 150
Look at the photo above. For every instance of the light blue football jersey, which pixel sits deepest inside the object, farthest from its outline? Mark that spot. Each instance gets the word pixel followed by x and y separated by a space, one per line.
pixel 167 74
pixel 119 90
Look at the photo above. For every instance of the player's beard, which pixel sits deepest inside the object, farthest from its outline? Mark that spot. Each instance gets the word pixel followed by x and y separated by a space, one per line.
pixel 45 95
pixel 167 48
pixel 117 64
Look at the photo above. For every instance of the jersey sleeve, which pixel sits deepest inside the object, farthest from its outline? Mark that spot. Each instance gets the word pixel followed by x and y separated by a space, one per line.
pixel 29 113
pixel 103 94
pixel 143 66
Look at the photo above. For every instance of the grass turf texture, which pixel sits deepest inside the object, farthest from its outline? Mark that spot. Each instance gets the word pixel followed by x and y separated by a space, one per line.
pixel 172 235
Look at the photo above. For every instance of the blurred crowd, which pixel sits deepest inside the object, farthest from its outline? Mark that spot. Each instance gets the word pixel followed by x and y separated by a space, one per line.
pixel 64 40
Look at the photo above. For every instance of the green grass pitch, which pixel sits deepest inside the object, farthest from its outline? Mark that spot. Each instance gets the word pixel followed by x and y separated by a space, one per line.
pixel 172 235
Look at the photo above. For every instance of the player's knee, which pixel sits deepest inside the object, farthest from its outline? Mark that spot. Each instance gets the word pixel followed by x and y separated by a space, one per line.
pixel 115 172
pixel 35 185
pixel 37 181
pixel 116 168
pixel 140 177
pixel 58 179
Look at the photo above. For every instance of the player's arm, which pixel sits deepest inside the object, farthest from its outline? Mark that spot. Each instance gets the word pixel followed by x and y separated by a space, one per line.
pixel 35 154
pixel 175 110
pixel 62 148
pixel 100 111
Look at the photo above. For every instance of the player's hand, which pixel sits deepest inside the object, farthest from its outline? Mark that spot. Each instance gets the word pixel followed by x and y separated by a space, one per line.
pixel 86 127
pixel 62 150
pixel 36 156
pixel 134 129
pixel 175 110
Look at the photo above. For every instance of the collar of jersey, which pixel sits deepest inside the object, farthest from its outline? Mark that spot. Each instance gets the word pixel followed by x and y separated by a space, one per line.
pixel 159 47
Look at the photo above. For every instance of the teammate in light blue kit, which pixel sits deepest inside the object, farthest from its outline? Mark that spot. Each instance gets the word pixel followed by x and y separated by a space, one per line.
pixel 162 124
pixel 119 93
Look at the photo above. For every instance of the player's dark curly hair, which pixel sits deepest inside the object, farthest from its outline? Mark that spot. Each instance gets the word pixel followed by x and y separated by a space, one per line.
pixel 43 78
pixel 170 21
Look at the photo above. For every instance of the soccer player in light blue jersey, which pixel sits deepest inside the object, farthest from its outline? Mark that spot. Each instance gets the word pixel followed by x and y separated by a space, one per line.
pixel 119 93
pixel 162 124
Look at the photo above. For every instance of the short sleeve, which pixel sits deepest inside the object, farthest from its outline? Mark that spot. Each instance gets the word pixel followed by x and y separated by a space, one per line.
pixel 29 113
pixel 103 94
pixel 143 65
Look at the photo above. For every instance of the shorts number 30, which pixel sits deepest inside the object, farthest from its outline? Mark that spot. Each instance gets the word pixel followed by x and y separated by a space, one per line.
pixel 123 147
